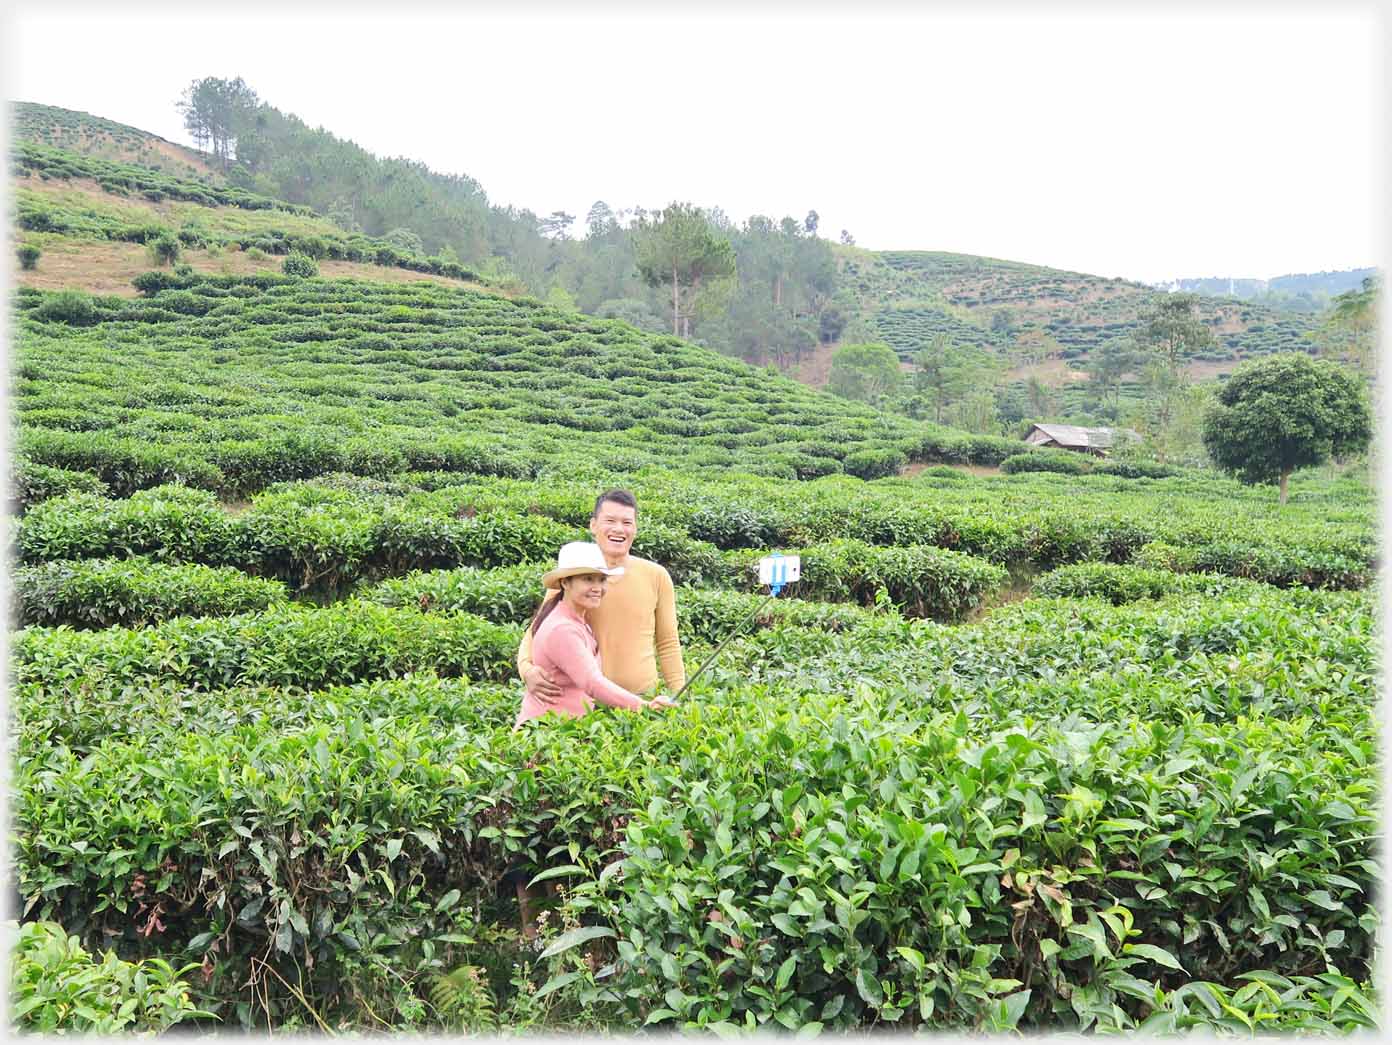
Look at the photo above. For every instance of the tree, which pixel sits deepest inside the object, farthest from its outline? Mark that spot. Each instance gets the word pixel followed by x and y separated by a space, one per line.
pixel 217 111
pixel 1002 322
pixel 865 372
pixel 405 240
pixel 1355 312
pixel 1170 333
pixel 1172 330
pixel 164 248
pixel 679 249
pixel 1285 412
pixel 556 225
pixel 809 223
pixel 829 325
pixel 600 221
pixel 1039 398
pixel 847 238
pixel 1109 364
pixel 976 413
pixel 946 371
pixel 28 256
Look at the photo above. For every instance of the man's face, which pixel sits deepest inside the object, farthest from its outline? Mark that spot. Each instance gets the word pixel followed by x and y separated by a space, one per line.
pixel 613 527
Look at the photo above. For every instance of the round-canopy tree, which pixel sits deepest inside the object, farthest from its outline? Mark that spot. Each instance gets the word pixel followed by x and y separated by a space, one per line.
pixel 1285 412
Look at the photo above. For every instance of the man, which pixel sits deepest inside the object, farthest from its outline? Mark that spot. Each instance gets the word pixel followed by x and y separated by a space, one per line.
pixel 636 623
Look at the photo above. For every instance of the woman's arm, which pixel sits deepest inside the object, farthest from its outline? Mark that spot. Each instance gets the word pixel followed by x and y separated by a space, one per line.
pixel 569 649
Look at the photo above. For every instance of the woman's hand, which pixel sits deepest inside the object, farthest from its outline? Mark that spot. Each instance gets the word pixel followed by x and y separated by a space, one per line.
pixel 658 703
pixel 539 684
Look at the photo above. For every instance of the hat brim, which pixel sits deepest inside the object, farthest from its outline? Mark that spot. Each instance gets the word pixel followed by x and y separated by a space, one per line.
pixel 551 580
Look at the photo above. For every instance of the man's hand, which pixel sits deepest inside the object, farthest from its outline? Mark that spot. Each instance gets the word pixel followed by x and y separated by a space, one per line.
pixel 540 685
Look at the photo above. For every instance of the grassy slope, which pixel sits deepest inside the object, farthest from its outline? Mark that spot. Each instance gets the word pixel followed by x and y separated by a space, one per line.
pixel 94 136
pixel 100 266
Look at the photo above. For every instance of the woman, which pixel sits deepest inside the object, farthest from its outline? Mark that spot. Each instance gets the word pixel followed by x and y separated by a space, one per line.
pixel 564 645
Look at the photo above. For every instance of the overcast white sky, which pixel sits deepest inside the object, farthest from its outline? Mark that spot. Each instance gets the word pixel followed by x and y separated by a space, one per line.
pixel 1238 140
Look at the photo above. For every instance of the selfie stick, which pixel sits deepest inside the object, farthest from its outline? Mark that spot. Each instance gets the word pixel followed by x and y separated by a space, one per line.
pixel 775 570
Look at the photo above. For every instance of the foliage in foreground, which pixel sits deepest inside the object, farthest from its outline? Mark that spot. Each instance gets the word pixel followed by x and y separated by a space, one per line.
pixel 56 986
pixel 1189 778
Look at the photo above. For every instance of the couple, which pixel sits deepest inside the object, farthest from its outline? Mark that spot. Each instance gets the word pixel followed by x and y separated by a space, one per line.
pixel 607 622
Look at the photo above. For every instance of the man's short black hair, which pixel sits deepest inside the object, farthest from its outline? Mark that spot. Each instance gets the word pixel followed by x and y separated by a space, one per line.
pixel 622 497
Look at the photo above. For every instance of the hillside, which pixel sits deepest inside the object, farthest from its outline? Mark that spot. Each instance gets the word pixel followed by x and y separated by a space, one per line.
pixel 93 219
pixel 231 383
pixel 1034 322
pixel 104 139
pixel 909 296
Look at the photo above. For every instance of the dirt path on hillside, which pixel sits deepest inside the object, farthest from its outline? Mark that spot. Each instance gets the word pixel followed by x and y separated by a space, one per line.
pixel 814 369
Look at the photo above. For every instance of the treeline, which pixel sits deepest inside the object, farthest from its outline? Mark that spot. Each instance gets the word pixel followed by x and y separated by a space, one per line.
pixel 776 301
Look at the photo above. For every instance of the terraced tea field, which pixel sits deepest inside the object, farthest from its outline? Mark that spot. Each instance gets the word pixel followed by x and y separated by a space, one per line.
pixel 1028 751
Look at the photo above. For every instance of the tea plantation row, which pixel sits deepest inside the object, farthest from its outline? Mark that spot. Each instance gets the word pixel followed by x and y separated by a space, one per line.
pixel 234 383
pixel 1184 794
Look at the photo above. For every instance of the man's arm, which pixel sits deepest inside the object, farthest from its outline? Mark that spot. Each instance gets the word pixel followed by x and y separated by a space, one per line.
pixel 537 680
pixel 669 653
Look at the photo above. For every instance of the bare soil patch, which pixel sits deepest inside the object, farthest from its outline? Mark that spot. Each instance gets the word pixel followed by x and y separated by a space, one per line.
pixel 814 369
pixel 1207 370
pixel 1052 373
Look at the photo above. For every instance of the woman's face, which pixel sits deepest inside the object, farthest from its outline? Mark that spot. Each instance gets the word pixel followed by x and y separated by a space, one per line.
pixel 585 590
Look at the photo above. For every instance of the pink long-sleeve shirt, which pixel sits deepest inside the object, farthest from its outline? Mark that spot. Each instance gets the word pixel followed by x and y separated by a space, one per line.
pixel 566 647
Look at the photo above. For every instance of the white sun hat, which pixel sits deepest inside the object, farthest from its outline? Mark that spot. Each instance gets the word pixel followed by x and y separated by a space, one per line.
pixel 576 558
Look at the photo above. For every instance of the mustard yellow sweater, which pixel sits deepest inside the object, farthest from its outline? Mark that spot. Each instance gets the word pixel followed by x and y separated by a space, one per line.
pixel 636 625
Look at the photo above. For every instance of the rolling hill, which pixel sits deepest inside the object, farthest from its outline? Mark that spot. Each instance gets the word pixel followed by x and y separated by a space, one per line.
pixel 1037 321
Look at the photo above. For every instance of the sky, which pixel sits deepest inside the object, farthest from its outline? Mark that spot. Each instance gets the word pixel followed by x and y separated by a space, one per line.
pixel 1138 141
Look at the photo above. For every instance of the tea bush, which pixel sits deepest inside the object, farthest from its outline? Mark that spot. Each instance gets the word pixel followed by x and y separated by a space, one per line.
pixel 508 595
pixel 132 592
pixel 920 580
pixel 1061 461
pixel 57 987
pixel 1026 786
pixel 285 646
pixel 32 484
pixel 299 265
pixel 1120 584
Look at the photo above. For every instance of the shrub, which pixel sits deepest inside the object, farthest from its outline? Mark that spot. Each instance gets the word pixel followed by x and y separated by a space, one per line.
pixel 1119 584
pixel 68 306
pixel 710 616
pixel 32 483
pixel 1134 469
pixel 1061 461
pixel 1159 555
pixel 28 256
pixel 874 464
pixel 920 580
pixel 505 595
pixel 58 988
pixel 300 265
pixel 165 248
pixel 281 646
pixel 131 592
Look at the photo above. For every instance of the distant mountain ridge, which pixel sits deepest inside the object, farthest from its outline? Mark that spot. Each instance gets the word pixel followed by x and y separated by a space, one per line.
pixel 1295 284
